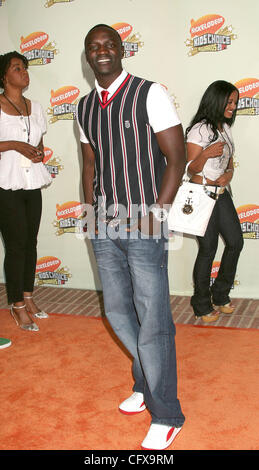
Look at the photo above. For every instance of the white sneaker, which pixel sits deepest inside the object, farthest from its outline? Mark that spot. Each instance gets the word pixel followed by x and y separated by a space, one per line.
pixel 134 404
pixel 5 343
pixel 159 437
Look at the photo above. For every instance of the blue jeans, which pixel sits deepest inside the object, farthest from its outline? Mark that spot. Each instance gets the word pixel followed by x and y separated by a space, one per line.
pixel 134 277
pixel 224 221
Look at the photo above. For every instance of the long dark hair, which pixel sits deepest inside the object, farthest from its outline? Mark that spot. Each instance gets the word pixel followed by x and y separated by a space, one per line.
pixel 5 60
pixel 212 107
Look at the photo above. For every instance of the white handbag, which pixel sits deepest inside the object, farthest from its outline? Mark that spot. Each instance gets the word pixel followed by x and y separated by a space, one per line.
pixel 192 207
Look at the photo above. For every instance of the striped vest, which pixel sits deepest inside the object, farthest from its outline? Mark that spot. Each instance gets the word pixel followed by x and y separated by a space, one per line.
pixel 129 165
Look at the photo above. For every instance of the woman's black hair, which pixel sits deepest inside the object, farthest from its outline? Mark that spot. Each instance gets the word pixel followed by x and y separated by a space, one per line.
pixel 5 60
pixel 212 107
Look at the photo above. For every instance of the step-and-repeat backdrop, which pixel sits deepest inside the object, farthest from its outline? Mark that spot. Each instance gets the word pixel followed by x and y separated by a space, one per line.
pixel 184 46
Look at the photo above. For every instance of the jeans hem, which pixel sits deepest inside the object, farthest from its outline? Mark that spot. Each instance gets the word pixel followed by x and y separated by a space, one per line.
pixel 221 303
pixel 135 389
pixel 202 314
pixel 174 423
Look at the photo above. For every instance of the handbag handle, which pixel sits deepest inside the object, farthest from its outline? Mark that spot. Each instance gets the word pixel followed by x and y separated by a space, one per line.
pixel 186 177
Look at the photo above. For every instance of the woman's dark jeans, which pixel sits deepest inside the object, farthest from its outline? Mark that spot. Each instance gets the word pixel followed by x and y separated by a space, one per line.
pixel 224 221
pixel 20 214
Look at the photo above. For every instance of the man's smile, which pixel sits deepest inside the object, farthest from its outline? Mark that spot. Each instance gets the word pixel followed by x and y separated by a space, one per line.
pixel 103 61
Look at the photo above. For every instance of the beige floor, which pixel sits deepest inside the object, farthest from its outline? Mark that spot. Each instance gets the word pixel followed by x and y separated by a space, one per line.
pixel 90 303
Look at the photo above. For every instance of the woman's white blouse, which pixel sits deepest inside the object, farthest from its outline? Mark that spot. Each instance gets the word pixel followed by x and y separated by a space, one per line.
pixel 17 171
pixel 201 134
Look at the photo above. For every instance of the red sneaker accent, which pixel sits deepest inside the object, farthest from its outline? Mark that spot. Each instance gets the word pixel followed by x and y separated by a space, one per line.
pixel 133 405
pixel 170 432
pixel 159 437
pixel 132 412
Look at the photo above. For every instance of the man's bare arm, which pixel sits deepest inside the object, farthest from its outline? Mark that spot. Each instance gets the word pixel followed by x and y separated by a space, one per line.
pixel 171 143
pixel 88 172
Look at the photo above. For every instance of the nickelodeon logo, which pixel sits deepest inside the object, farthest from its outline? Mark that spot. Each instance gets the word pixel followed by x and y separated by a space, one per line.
pixel 52 164
pixel 208 35
pixel 63 103
pixel 248 103
pixel 249 220
pixel 124 29
pixel 69 209
pixel 215 269
pixel 50 3
pixel 66 94
pixel 68 217
pixel 248 212
pixel 131 46
pixel 47 154
pixel 35 48
pixel 34 39
pixel 47 263
pixel 207 23
pixel 48 271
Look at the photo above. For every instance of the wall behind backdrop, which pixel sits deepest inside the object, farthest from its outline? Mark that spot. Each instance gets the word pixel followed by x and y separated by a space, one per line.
pixel 184 46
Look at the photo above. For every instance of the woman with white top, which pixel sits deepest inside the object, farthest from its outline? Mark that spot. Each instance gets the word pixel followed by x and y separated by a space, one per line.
pixel 210 147
pixel 22 174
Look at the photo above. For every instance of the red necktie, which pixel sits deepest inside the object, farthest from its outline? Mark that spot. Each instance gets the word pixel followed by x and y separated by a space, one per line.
pixel 104 94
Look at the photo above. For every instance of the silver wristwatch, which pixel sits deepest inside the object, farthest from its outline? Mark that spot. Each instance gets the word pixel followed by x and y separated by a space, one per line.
pixel 159 213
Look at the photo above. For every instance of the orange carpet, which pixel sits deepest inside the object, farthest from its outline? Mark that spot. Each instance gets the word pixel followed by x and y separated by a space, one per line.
pixel 60 388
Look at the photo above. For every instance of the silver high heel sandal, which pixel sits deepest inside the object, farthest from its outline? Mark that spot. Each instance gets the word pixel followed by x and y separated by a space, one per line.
pixel 26 326
pixel 40 314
